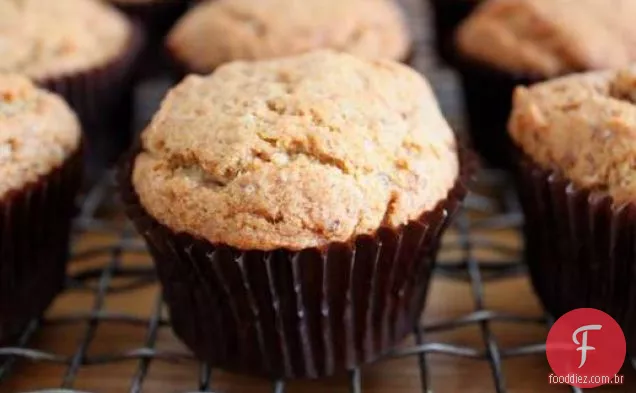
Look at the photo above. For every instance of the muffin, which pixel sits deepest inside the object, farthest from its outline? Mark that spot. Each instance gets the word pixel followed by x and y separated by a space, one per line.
pixel 517 42
pixel 156 17
pixel 40 163
pixel 294 208
pixel 83 50
pixel 576 155
pixel 220 31
pixel 447 15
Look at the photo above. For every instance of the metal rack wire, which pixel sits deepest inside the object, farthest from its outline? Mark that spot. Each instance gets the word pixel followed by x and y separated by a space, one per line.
pixel 481 215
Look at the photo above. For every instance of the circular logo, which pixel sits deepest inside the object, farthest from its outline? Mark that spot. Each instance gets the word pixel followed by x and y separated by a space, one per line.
pixel 586 348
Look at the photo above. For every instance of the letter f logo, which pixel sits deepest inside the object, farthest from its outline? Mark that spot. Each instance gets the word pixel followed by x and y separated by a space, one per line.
pixel 584 348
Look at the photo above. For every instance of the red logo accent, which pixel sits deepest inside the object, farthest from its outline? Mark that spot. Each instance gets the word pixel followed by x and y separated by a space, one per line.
pixel 585 345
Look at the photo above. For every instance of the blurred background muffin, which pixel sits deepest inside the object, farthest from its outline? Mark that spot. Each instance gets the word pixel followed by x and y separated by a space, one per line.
pixel 509 42
pixel 577 183
pixel 83 50
pixel 219 31
pixel 298 182
pixel 40 163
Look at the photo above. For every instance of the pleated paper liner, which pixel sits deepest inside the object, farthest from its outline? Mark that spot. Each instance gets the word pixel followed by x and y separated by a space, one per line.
pixel 295 314
pixel 448 15
pixel 103 100
pixel 35 224
pixel 488 101
pixel 156 17
pixel 580 247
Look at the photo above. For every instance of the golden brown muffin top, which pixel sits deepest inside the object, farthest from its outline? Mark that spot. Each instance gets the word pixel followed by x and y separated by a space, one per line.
pixel 216 32
pixel 296 152
pixel 551 37
pixel 584 126
pixel 43 38
pixel 38 131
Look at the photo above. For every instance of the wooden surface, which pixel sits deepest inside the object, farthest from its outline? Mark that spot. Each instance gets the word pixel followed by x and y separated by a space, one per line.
pixel 449 299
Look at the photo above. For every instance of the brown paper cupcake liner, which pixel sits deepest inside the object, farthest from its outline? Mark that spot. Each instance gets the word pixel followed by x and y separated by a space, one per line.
pixel 447 16
pixel 103 100
pixel 294 314
pixel 35 224
pixel 156 17
pixel 488 101
pixel 580 247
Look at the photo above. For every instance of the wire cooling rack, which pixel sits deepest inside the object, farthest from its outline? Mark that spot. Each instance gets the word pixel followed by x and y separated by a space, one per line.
pixel 113 277
pixel 473 256
pixel 105 280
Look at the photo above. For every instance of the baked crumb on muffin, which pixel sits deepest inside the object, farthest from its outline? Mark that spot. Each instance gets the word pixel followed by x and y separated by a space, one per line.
pixel 583 126
pixel 45 38
pixel 296 152
pixel 550 37
pixel 38 132
pixel 220 31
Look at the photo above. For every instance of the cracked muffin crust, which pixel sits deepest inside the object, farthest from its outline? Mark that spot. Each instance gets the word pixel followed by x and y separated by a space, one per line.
pixel 38 132
pixel 584 126
pixel 296 152
pixel 550 37
pixel 44 38
pixel 220 31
